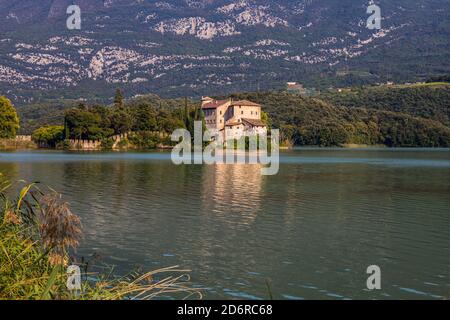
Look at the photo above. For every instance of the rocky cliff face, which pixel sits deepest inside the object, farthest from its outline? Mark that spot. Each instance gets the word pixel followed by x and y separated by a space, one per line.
pixel 178 47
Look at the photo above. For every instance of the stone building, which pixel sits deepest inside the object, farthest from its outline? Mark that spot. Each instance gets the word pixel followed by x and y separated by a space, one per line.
pixel 233 119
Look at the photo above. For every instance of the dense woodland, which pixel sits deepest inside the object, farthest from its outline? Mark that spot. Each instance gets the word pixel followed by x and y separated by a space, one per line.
pixel 430 101
pixel 395 116
pixel 312 121
pixel 147 119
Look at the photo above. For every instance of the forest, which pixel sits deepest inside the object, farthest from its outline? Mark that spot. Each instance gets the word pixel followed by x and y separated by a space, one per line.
pixel 394 116
pixel 430 100
pixel 146 120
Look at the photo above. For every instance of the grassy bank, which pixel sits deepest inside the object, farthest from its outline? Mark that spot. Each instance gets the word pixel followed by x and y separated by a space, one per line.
pixel 38 235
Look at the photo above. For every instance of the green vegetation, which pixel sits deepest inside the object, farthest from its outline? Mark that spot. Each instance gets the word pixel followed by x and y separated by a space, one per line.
pixel 150 126
pixel 49 136
pixel 309 121
pixel 412 115
pixel 92 123
pixel 439 79
pixel 430 101
pixel 49 113
pixel 37 233
pixel 149 123
pixel 9 121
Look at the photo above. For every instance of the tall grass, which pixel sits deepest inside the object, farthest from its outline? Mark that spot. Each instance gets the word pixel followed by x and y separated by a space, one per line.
pixel 37 232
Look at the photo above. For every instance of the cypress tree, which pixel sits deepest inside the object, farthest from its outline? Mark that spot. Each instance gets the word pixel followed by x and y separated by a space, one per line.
pixel 118 98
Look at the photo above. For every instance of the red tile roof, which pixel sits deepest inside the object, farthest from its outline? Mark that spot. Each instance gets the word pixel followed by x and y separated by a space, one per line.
pixel 214 104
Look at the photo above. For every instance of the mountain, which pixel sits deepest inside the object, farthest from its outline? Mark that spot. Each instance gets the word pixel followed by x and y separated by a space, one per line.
pixel 206 47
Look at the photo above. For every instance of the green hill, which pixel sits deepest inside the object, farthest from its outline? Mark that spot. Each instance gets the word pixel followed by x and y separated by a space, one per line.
pixel 398 116
pixel 430 100
pixel 310 121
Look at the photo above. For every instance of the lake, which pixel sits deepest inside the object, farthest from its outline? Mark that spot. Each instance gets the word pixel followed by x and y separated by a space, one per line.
pixel 309 232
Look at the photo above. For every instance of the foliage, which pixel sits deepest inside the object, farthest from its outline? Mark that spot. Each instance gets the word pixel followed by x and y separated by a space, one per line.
pixel 145 139
pixel 310 121
pixel 121 120
pixel 9 121
pixel 107 143
pixel 88 123
pixel 118 98
pixel 265 118
pixel 50 136
pixel 445 78
pixel 397 116
pixel 36 232
pixel 147 119
pixel 49 113
pixel 426 101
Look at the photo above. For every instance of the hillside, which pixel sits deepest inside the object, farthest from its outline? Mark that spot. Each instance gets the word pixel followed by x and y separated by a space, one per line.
pixel 313 121
pixel 430 101
pixel 310 121
pixel 203 47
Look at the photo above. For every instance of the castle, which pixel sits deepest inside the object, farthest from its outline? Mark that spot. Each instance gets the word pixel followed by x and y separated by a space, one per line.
pixel 234 119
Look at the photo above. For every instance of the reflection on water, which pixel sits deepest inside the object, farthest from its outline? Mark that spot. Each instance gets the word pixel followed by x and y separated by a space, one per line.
pixel 310 231
pixel 232 193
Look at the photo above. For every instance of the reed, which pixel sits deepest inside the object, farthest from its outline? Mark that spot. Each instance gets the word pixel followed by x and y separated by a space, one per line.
pixel 37 232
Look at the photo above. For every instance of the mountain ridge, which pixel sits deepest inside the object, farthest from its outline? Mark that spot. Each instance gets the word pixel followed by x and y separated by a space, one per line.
pixel 193 48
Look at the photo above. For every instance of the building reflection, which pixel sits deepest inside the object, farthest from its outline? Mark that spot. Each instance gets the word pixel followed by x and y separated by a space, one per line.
pixel 233 192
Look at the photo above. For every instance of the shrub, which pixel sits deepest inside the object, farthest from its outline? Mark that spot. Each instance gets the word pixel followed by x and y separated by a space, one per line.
pixel 50 135
pixel 36 232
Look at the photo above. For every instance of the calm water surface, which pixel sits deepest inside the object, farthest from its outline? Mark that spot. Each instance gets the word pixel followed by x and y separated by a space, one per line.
pixel 310 231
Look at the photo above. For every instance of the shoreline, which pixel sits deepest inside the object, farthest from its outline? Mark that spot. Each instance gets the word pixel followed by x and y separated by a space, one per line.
pixel 169 148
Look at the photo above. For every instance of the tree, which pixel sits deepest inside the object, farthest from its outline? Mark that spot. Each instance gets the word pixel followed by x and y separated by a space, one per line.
pixel 9 121
pixel 266 119
pixel 118 99
pixel 187 116
pixel 144 118
pixel 50 135
pixel 83 123
pixel 121 121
